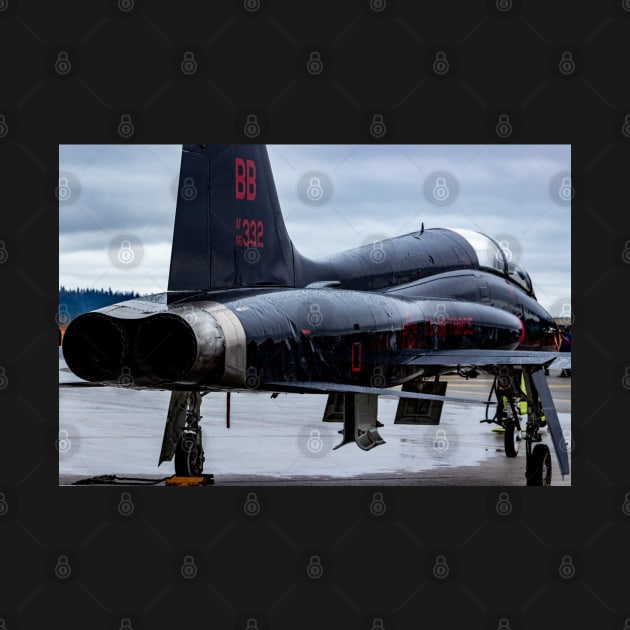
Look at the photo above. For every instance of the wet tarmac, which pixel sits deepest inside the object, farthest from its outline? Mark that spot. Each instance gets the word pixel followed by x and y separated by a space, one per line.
pixel 283 441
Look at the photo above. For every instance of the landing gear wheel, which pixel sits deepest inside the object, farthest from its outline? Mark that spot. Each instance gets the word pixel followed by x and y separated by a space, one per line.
pixel 189 455
pixel 512 438
pixel 539 466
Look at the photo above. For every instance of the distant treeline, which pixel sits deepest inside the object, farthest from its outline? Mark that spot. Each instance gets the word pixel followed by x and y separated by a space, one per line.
pixel 74 302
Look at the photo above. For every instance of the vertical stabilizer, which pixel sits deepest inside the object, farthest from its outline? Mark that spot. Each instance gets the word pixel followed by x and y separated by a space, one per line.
pixel 229 231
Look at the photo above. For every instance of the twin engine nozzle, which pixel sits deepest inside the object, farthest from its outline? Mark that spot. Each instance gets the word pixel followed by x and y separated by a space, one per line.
pixel 182 346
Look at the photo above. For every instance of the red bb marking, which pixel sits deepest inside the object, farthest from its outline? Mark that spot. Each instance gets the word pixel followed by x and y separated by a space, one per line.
pixel 245 179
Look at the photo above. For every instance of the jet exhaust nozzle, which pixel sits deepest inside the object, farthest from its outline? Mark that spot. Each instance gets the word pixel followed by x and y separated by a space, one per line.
pixel 94 347
pixel 184 347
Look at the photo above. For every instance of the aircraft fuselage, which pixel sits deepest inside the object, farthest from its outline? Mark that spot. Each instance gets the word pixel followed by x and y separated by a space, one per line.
pixel 355 322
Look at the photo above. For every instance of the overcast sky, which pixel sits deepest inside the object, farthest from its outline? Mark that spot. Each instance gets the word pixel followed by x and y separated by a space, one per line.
pixel 117 202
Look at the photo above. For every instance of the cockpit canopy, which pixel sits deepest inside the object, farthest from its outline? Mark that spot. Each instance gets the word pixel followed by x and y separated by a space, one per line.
pixel 521 277
pixel 492 257
pixel 489 252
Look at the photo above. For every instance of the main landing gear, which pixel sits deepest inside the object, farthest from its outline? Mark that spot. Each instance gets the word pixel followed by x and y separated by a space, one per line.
pixel 515 389
pixel 182 434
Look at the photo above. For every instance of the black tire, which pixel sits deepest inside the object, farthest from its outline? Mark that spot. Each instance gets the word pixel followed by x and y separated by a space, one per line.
pixel 189 456
pixel 512 437
pixel 539 466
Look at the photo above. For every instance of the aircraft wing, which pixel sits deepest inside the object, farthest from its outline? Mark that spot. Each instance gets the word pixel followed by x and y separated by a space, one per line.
pixel 468 358
pixel 479 358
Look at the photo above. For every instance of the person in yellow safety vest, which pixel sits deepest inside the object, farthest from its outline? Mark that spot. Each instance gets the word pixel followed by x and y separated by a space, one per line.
pixel 522 405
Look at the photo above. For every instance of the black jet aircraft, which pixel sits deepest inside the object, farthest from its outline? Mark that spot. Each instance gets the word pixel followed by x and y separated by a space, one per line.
pixel 246 311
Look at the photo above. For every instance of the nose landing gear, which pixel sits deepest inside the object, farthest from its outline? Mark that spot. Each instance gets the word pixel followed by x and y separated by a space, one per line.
pixel 527 385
